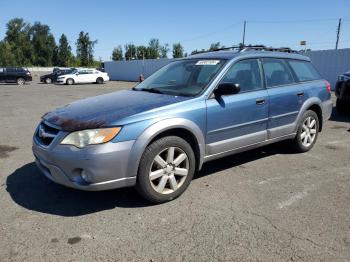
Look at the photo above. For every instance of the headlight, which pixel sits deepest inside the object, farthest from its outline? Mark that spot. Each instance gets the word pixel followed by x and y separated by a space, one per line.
pixel 91 136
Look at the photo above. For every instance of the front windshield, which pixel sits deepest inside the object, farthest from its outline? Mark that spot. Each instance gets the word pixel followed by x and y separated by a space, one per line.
pixel 187 77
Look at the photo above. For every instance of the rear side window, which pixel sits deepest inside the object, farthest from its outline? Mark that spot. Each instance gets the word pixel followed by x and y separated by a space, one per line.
pixel 276 72
pixel 246 73
pixel 304 70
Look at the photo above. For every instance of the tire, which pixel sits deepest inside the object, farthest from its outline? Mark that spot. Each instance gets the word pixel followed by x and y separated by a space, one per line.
pixel 48 80
pixel 307 132
pixel 169 180
pixel 341 109
pixel 99 80
pixel 70 81
pixel 20 81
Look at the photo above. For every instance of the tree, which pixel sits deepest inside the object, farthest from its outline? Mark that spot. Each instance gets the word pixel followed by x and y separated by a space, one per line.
pixel 130 51
pixel 18 38
pixel 142 52
pixel 85 49
pixel 164 51
pixel 154 48
pixel 117 53
pixel 6 56
pixel 215 46
pixel 43 44
pixel 178 50
pixel 64 52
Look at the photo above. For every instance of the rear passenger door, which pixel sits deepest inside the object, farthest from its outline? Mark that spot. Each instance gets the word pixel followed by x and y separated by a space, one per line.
pixel 286 97
pixel 238 120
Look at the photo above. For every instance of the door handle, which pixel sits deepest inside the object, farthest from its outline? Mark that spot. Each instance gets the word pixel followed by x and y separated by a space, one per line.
pixel 300 94
pixel 260 101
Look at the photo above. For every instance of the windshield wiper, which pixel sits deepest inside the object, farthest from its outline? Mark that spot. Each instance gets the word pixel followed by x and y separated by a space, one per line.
pixel 151 90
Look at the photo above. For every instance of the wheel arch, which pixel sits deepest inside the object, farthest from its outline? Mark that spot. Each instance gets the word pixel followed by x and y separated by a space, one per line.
pixel 314 104
pixel 184 128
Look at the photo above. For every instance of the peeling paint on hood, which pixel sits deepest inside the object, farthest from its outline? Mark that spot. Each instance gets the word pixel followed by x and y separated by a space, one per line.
pixel 103 110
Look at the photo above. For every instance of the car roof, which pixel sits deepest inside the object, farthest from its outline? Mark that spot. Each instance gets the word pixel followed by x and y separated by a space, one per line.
pixel 228 55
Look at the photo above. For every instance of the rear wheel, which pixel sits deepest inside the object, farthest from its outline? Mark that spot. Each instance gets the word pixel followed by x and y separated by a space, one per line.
pixel 70 81
pixel 99 80
pixel 48 80
pixel 20 81
pixel 166 169
pixel 307 132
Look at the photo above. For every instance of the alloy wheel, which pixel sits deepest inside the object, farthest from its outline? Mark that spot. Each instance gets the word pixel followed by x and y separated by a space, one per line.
pixel 169 170
pixel 308 131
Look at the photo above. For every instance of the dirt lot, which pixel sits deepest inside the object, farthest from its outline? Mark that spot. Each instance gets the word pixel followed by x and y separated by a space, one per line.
pixel 264 205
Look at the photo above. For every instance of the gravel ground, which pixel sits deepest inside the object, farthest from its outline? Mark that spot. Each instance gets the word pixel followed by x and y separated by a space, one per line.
pixel 263 205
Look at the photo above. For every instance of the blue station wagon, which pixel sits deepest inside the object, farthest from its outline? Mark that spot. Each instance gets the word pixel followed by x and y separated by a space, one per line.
pixel 193 110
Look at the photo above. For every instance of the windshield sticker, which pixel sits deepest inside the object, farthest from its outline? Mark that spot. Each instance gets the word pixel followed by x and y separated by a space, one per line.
pixel 208 62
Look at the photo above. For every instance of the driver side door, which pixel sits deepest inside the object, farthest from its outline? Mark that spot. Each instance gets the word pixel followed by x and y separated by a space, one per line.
pixel 238 120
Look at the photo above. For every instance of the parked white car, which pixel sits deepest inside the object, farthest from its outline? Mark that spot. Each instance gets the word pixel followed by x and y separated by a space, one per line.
pixel 82 75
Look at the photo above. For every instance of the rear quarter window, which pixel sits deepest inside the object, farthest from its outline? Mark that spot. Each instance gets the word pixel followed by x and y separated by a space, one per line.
pixel 304 70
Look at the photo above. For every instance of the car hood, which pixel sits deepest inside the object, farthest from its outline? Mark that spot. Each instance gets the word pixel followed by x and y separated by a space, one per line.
pixel 105 109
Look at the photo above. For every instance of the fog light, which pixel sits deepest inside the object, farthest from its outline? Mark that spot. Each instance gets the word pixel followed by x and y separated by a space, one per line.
pixel 85 176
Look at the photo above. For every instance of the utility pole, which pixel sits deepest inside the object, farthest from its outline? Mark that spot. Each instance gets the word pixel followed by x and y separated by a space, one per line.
pixel 243 41
pixel 338 34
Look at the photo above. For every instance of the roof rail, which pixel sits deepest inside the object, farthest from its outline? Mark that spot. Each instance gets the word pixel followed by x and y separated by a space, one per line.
pixel 233 48
pixel 269 49
pixel 240 48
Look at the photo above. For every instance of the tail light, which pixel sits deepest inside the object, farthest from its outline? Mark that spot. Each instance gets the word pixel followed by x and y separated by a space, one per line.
pixel 328 86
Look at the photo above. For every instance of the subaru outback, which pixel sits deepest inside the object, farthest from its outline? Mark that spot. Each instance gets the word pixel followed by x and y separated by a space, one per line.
pixel 193 110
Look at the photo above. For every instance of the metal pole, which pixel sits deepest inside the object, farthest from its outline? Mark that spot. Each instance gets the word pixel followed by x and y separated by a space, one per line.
pixel 243 41
pixel 338 34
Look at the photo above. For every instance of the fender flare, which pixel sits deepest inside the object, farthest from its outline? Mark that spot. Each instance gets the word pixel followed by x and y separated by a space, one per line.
pixel 157 128
pixel 308 103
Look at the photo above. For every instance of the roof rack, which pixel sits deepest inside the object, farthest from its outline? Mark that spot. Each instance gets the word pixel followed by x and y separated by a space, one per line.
pixel 240 48
pixel 269 49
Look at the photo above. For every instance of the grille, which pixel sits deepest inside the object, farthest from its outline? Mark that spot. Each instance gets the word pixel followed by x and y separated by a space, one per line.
pixel 46 134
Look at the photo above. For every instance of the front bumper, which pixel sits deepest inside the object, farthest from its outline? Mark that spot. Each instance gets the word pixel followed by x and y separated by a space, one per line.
pixel 105 166
pixel 342 90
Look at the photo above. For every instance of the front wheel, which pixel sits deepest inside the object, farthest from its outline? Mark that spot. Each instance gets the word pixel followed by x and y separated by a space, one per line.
pixel 307 132
pixel 166 169
pixel 48 80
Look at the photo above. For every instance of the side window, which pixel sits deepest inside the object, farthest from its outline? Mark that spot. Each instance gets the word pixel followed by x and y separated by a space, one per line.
pixel 246 73
pixel 10 70
pixel 276 72
pixel 1 70
pixel 304 70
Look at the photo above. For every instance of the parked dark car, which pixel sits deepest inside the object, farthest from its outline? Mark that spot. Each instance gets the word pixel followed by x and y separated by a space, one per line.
pixel 50 78
pixel 342 92
pixel 19 75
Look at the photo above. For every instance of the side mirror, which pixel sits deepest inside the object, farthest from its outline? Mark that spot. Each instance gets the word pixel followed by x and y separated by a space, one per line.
pixel 76 73
pixel 227 89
